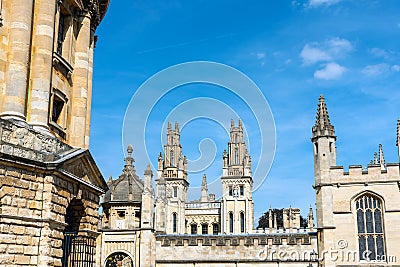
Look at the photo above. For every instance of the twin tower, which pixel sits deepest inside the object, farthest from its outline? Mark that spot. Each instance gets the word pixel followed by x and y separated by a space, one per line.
pixel 233 213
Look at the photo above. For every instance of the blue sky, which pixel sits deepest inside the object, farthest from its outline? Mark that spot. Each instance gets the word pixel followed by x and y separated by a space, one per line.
pixel 292 50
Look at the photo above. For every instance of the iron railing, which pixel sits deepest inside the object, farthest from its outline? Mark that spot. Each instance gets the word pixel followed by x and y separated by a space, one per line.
pixel 78 250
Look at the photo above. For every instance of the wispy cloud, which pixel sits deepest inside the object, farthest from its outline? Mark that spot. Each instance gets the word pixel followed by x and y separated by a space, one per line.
pixel 328 50
pixel 378 52
pixel 376 70
pixel 318 3
pixel 260 55
pixel 331 71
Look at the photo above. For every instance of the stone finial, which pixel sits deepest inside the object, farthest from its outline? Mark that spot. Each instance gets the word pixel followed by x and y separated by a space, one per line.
pixel 129 159
pixel 240 123
pixel 148 170
pixel 376 159
pixel 169 126
pixel 110 180
pixel 148 175
pixel 176 126
pixel 323 124
pixel 232 123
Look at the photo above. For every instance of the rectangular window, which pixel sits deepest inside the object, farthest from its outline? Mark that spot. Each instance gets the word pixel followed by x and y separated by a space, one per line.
pixel 241 188
pixel 215 229
pixel 61 33
pixel 230 191
pixel 204 229
pixel 193 229
pixel 175 191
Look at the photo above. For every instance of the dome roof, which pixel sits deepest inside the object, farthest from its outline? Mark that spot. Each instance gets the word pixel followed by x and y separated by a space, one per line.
pixel 128 187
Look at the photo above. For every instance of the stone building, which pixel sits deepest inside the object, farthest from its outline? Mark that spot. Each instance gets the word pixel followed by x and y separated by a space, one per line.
pixel 357 213
pixel 202 232
pixel 50 186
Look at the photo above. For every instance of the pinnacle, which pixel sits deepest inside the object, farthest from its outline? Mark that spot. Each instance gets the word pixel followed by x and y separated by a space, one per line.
pixel 323 126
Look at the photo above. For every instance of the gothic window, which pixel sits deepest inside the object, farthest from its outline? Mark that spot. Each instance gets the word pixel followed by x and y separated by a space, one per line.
pixel 204 229
pixel 215 229
pixel 230 222
pixel 171 155
pixel 370 228
pixel 236 156
pixel 175 191
pixel 193 229
pixel 242 222
pixel 241 189
pixel 230 190
pixel 174 222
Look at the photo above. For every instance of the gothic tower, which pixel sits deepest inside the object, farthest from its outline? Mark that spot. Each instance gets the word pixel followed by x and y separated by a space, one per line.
pixel 237 203
pixel 172 185
pixel 323 139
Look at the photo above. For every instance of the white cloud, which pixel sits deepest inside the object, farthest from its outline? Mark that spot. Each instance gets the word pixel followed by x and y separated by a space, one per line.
pixel 317 3
pixel 375 70
pixel 313 55
pixel 339 46
pixel 328 50
pixel 331 71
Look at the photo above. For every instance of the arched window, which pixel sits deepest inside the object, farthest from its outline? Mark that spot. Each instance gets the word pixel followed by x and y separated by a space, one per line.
pixel 174 223
pixel 230 222
pixel 370 228
pixel 119 259
pixel 242 222
pixel 236 156
pixel 171 157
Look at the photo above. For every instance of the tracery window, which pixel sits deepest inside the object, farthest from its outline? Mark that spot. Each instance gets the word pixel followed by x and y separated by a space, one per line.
pixel 215 229
pixel 371 240
pixel 236 156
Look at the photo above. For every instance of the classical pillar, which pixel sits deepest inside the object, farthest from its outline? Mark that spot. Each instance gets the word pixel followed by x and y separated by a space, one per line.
pixel 41 64
pixel 90 86
pixel 80 91
pixel 17 67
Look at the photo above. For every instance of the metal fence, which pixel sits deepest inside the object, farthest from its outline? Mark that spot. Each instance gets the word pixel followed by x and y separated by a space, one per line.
pixel 78 250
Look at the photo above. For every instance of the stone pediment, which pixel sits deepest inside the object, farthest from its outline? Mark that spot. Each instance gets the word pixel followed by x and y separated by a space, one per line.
pixel 80 165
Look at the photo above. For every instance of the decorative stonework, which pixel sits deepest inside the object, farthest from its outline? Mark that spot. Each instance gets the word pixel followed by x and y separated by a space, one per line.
pixel 21 140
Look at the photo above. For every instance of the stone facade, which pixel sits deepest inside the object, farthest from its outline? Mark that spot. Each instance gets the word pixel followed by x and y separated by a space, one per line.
pixel 50 186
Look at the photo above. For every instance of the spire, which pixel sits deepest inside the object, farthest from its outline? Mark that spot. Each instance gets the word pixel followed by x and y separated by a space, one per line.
pixel 381 157
pixel 323 126
pixel 204 189
pixel 310 222
pixel 176 126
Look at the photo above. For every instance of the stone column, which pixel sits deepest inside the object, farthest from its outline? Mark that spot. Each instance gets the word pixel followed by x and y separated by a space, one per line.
pixel 41 65
pixel 90 86
pixel 79 107
pixel 17 67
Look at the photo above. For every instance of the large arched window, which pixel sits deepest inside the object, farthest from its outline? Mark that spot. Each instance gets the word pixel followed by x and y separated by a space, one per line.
pixel 174 222
pixel 242 222
pixel 370 227
pixel 230 222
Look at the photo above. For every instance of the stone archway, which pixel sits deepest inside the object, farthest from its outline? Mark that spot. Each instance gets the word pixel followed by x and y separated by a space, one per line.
pixel 119 259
